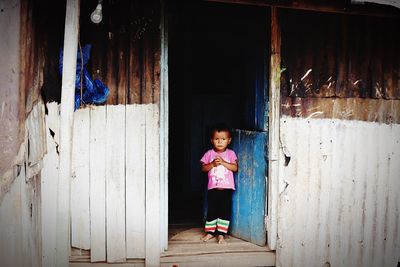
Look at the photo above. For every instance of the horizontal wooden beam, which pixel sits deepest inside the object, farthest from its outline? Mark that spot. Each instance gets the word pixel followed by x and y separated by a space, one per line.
pixel 341 7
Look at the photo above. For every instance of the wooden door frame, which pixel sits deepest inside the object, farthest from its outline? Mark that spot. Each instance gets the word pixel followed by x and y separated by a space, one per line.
pixel 274 130
pixel 164 129
pixel 272 195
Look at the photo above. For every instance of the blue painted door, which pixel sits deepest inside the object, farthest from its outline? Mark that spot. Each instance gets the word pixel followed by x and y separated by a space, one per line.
pixel 249 198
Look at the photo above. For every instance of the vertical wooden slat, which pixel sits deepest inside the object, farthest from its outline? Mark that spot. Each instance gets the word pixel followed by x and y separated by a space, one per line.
pixel 135 54
pixel 27 209
pixel 80 211
pixel 152 186
pixel 258 231
pixel 156 72
pixel 66 124
pixel 122 66
pixel 97 167
pixel 274 104
pixel 111 79
pixel 135 180
pixel 49 178
pixel 241 208
pixel 147 78
pixel 115 183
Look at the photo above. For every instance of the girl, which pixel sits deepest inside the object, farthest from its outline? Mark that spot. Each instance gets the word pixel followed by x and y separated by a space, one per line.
pixel 220 163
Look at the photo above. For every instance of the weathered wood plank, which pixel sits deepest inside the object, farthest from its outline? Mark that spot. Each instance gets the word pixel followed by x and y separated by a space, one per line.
pixel 115 183
pixel 49 179
pixel 135 180
pixel 131 263
pixel 97 163
pixel 212 247
pixel 66 124
pixel 134 91
pixel 273 141
pixel 111 58
pixel 249 198
pixel 80 210
pixel 122 66
pixel 236 259
pixel 152 186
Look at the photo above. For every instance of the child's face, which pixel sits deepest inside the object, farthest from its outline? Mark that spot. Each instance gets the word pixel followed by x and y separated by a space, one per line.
pixel 220 140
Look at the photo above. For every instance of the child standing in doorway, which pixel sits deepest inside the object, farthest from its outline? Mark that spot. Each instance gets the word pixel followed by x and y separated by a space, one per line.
pixel 220 162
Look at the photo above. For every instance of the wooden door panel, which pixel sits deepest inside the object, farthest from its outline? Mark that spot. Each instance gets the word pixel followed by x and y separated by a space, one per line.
pixel 249 198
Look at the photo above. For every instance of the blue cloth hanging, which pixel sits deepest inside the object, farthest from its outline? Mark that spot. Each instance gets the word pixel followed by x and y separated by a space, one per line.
pixel 93 92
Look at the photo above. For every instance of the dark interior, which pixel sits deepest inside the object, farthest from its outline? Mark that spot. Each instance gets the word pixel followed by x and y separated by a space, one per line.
pixel 217 73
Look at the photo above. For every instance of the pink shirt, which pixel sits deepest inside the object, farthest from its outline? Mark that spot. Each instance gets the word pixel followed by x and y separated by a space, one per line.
pixel 220 176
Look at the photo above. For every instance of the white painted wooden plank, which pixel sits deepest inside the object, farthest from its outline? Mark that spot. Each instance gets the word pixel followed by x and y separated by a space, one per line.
pixel 37 140
pixel 49 179
pixel 152 186
pixel 136 263
pixel 135 180
pixel 115 183
pixel 97 166
pixel 80 210
pixel 67 116
pixel 27 219
pixel 35 125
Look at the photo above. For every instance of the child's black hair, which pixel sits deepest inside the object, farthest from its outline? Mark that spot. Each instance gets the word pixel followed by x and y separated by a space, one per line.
pixel 220 127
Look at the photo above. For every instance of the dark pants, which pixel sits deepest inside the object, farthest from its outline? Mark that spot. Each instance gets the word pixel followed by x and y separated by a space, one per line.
pixel 219 211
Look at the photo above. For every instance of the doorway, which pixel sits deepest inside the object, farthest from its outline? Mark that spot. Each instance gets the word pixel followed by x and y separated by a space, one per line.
pixel 217 73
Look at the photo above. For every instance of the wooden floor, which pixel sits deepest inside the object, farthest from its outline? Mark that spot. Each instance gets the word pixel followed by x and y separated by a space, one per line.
pixel 185 248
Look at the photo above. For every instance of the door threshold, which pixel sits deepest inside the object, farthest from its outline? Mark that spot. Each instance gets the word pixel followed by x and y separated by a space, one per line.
pixel 187 249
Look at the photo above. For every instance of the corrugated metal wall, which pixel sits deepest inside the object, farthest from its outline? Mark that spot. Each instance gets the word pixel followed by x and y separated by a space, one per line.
pixel 335 55
pixel 339 201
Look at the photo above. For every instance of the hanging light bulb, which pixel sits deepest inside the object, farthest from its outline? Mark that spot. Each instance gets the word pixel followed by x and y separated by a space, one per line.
pixel 96 15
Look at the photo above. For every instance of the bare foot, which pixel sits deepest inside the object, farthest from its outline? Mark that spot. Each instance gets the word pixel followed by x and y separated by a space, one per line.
pixel 221 239
pixel 207 237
